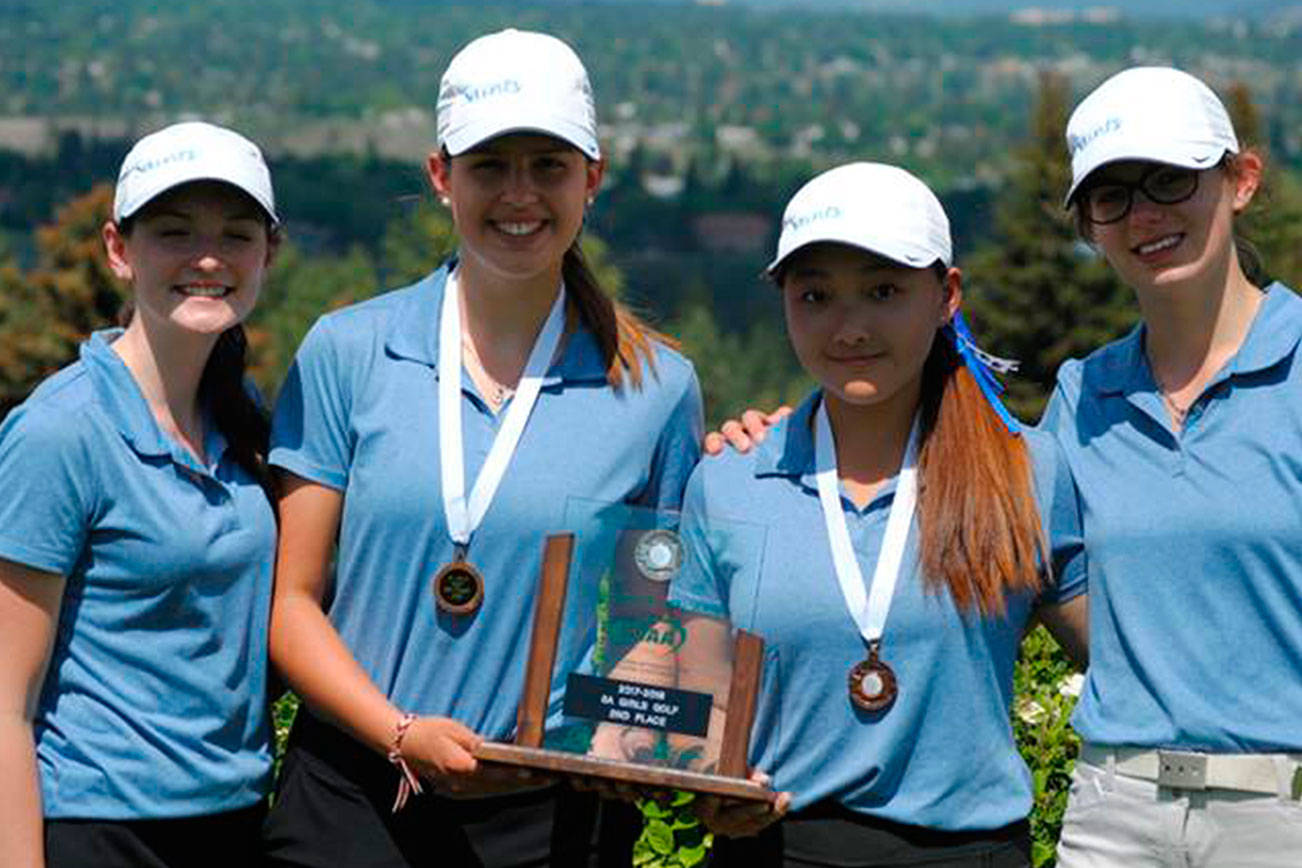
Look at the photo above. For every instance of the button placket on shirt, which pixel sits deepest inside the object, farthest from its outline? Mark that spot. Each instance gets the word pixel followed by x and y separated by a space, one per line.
pixel 863 523
pixel 217 494
pixel 1151 406
pixel 1195 421
pixel 1214 391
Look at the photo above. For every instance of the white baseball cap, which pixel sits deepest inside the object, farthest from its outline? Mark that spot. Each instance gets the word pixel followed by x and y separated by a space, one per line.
pixel 1150 113
pixel 191 151
pixel 516 81
pixel 879 208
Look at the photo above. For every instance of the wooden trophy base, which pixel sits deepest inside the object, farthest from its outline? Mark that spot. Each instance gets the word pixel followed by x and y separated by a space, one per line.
pixel 572 765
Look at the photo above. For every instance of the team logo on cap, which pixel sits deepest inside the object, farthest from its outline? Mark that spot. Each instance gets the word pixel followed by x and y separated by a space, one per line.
pixel 498 88
pixel 186 155
pixel 1075 143
pixel 799 221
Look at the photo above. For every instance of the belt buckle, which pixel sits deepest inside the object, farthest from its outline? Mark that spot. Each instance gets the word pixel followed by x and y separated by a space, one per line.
pixel 1183 770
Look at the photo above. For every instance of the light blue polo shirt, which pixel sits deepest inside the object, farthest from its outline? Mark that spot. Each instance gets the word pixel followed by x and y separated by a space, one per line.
pixel 943 755
pixel 154 704
pixel 1194 542
pixel 359 413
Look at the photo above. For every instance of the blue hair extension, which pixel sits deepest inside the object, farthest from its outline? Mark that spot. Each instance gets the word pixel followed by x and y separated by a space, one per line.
pixel 983 366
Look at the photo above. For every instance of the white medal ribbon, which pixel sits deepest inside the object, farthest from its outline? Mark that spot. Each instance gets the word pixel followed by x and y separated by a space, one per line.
pixel 868 610
pixel 464 516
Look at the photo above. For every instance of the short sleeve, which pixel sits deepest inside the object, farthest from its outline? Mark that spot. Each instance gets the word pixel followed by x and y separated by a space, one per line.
pixel 1058 413
pixel 48 484
pixel 1066 537
pixel 310 433
pixel 699 586
pixel 677 450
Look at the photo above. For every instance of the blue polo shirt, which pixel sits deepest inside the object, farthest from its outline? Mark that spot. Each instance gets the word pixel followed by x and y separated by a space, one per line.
pixel 359 413
pixel 943 756
pixel 154 703
pixel 1194 541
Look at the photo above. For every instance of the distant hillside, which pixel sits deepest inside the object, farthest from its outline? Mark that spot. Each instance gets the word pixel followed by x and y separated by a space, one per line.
pixel 684 91
pixel 1140 9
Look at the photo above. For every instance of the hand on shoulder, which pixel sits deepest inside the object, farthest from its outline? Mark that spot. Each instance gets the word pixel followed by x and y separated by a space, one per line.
pixel 745 434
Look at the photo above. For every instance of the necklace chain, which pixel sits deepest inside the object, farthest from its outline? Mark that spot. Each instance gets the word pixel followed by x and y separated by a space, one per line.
pixel 1178 413
pixel 496 393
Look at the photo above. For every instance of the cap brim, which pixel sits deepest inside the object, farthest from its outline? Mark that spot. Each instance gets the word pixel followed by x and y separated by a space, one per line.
pixel 901 253
pixel 1185 156
pixel 143 199
pixel 470 135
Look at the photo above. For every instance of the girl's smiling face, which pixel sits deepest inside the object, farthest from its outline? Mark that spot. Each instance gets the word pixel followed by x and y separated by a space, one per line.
pixel 196 257
pixel 862 325
pixel 1155 245
pixel 517 201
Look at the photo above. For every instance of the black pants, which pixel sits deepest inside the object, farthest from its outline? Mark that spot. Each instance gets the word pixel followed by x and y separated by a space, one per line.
pixel 826 835
pixel 333 802
pixel 226 839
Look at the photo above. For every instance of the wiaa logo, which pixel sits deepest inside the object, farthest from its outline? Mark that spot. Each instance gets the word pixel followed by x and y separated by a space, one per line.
pixel 1111 125
pixel 187 155
pixel 498 88
pixel 799 221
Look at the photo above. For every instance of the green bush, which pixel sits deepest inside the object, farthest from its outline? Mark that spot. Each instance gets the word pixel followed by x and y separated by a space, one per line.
pixel 672 835
pixel 1044 693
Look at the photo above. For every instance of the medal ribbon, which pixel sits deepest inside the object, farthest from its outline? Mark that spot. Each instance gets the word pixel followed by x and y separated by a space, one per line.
pixel 464 516
pixel 868 610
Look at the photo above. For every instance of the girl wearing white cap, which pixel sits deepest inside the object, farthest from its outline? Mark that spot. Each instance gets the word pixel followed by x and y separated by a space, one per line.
pixel 136 541
pixel 437 432
pixel 913 530
pixel 1184 439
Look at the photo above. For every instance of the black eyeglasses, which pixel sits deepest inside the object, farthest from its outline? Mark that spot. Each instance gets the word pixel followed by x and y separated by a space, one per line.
pixel 1109 201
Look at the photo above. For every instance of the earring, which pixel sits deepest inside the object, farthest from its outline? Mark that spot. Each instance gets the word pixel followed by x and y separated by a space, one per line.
pixel 591 199
pixel 445 201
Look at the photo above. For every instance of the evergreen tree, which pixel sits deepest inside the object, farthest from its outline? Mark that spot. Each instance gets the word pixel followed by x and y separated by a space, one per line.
pixel 1272 224
pixel 740 371
pixel 1039 294
pixel 1036 292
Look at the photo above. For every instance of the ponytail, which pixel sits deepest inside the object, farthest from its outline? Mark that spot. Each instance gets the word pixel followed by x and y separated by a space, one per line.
pixel 624 340
pixel 980 534
pixel 240 419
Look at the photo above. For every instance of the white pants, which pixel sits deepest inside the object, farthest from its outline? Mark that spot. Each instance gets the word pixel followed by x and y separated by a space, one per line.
pixel 1114 821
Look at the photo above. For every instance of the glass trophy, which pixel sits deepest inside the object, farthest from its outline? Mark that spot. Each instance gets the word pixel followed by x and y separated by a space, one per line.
pixel 660 688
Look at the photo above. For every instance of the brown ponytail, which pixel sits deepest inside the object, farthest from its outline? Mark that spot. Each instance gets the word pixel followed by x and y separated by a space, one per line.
pixel 980 531
pixel 625 340
pixel 241 420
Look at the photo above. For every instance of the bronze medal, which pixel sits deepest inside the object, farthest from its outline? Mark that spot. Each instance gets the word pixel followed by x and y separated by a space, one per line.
pixel 872 683
pixel 458 587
